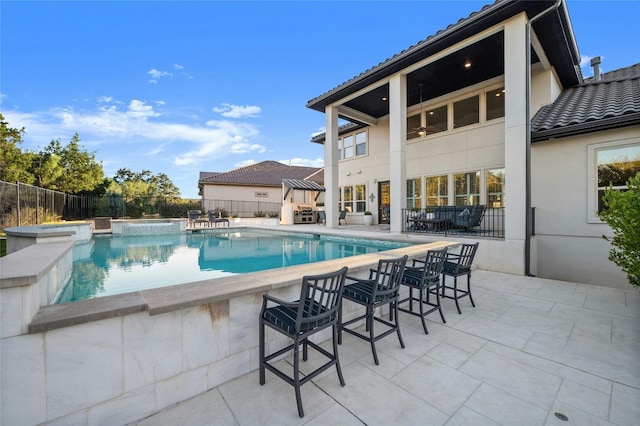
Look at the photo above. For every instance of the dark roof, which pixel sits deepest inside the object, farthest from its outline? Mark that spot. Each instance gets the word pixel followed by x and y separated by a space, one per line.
pixel 305 185
pixel 553 30
pixel 265 173
pixel 611 102
pixel 206 175
pixel 345 128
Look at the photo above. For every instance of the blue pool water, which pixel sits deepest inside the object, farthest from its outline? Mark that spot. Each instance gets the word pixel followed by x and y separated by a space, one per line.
pixel 110 265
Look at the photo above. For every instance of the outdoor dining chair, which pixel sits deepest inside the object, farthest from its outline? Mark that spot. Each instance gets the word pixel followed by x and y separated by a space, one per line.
pixel 424 276
pixel 457 265
pixel 316 310
pixel 343 216
pixel 382 288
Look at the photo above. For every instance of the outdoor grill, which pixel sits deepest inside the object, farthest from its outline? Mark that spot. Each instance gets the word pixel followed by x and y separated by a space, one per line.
pixel 303 214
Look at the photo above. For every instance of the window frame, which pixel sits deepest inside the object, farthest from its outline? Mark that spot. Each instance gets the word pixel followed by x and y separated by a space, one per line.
pixel 414 198
pixel 477 111
pixel 468 195
pixel 501 193
pixel 349 152
pixel 439 197
pixel 592 173
pixel 501 93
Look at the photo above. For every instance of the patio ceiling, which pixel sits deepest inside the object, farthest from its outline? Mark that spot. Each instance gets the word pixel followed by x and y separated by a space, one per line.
pixel 443 76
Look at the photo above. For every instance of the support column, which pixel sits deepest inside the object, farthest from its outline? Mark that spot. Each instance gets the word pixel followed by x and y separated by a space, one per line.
pixel 515 144
pixel 331 167
pixel 397 149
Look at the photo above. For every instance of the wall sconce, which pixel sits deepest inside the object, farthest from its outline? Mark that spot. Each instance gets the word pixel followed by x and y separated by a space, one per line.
pixel 348 173
pixel 372 197
pixel 359 171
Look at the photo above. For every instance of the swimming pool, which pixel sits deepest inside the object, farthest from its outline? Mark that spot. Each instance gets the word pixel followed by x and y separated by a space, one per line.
pixel 109 265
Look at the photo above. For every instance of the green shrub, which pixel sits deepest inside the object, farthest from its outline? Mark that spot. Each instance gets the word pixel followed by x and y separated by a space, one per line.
pixel 259 214
pixel 178 208
pixel 622 213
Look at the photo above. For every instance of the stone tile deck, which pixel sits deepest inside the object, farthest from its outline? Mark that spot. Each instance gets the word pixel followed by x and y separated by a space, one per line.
pixel 531 348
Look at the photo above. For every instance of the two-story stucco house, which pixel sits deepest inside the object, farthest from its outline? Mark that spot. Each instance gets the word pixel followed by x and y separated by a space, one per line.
pixel 494 111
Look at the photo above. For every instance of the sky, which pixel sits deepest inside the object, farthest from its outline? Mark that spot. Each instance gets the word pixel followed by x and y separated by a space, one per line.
pixel 181 87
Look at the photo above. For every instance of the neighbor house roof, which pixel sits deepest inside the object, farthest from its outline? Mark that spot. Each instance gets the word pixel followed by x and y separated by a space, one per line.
pixel 611 102
pixel 265 173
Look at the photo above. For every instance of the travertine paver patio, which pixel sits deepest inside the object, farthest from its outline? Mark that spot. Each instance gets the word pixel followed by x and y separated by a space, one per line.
pixel 531 348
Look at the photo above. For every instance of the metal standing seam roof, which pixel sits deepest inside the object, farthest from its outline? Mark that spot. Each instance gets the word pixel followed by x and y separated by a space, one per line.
pixel 611 102
pixel 305 185
pixel 265 173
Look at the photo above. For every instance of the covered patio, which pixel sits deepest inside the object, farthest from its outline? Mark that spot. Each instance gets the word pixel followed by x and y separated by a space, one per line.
pixel 533 352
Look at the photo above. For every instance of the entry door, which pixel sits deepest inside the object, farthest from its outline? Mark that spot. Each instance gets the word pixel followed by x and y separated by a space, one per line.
pixel 384 204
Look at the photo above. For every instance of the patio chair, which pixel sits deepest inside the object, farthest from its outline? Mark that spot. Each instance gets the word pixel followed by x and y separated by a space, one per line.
pixel 343 216
pixel 193 216
pixel 457 265
pixel 316 310
pixel 322 217
pixel 215 219
pixel 425 279
pixel 382 288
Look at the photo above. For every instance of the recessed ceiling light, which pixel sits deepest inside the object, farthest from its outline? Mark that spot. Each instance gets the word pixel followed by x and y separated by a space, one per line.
pixel 430 112
pixel 384 98
pixel 467 64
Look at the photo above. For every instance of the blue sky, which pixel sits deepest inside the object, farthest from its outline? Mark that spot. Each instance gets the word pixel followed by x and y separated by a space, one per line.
pixel 183 87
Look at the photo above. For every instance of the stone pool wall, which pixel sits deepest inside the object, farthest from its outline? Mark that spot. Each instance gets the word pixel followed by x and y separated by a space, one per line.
pixel 148 227
pixel 118 359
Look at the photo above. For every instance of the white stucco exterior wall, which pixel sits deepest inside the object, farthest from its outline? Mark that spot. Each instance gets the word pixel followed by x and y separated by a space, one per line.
pixel 570 246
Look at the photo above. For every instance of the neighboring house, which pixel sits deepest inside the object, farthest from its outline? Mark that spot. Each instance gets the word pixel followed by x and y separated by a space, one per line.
pixel 251 189
pixel 451 120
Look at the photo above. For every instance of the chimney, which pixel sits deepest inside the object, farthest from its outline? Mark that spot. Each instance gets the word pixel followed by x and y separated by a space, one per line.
pixel 595 63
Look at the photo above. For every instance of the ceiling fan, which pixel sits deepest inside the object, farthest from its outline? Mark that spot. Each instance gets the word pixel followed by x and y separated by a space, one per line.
pixel 422 130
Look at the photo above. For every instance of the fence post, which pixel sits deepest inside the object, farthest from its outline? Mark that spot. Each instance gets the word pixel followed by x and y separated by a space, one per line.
pixel 18 198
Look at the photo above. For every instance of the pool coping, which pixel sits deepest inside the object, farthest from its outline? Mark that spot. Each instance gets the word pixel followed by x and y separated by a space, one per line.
pixel 173 298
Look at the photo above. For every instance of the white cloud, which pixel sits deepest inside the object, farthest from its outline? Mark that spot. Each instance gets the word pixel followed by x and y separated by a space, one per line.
pixel 245 163
pixel 304 162
pixel 116 125
pixel 238 111
pixel 320 131
pixel 178 66
pixel 585 64
pixel 139 109
pixel 157 75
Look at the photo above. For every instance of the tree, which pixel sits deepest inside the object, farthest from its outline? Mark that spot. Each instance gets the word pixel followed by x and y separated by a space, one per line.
pixel 80 170
pixel 14 163
pixel 143 191
pixel 622 213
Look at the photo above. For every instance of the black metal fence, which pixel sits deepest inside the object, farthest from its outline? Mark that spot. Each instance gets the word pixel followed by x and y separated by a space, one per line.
pixel 452 220
pixel 243 208
pixel 23 205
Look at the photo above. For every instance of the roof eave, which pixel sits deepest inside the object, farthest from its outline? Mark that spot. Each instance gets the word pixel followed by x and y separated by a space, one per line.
pixel 588 127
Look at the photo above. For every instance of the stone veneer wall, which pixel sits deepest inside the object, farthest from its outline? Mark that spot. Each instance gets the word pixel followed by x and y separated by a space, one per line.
pixel 123 369
pixel 135 361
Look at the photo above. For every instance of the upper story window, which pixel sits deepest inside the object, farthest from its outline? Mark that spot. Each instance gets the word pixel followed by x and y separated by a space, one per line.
pixel 466 112
pixel 353 145
pixel 495 103
pixel 413 122
pixel 436 120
